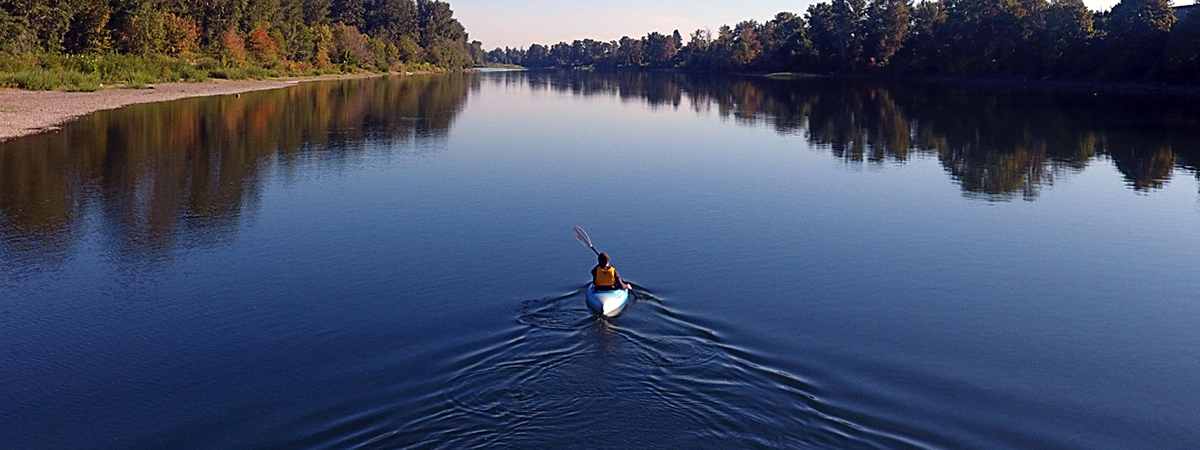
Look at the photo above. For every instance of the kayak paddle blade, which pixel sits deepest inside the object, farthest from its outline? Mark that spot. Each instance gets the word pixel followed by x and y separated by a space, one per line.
pixel 584 239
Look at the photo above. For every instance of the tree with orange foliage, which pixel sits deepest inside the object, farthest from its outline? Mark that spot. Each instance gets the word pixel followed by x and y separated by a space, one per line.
pixel 183 36
pixel 233 48
pixel 264 48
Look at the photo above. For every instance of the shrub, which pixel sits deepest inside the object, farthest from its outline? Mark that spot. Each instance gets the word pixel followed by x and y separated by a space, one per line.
pixel 78 82
pixel 207 64
pixel 88 31
pixel 349 60
pixel 409 51
pixel 449 54
pixel 233 48
pixel 322 42
pixel 264 48
pixel 259 73
pixel 194 75
pixel 322 61
pixel 281 44
pixel 298 66
pixel 348 41
pixel 229 73
pixel 182 35
pixel 386 55
pixel 301 45
pixel 45 80
pixel 141 35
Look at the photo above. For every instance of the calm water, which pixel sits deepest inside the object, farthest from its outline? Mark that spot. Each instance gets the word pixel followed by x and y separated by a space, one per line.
pixel 389 263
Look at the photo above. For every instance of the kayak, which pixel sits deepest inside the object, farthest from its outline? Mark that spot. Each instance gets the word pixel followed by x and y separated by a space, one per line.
pixel 607 303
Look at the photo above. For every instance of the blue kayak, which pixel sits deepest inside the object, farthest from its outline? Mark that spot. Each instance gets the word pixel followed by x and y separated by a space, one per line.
pixel 607 303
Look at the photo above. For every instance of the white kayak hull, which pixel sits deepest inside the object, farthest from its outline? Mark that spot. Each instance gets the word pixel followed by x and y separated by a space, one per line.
pixel 607 303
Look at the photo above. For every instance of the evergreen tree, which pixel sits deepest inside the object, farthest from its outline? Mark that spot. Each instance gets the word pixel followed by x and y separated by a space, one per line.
pixel 349 12
pixel 316 12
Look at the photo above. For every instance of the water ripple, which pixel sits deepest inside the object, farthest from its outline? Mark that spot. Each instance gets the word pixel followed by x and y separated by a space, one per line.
pixel 654 377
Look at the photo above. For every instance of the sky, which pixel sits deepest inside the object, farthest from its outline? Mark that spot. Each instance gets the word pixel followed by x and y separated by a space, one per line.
pixel 518 23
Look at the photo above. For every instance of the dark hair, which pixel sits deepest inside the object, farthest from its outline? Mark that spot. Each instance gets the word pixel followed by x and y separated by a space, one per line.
pixel 603 258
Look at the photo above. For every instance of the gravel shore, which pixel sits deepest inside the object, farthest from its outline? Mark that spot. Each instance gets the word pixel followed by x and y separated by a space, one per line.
pixel 24 113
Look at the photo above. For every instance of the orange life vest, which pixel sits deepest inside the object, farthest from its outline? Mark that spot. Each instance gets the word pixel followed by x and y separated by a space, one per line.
pixel 605 276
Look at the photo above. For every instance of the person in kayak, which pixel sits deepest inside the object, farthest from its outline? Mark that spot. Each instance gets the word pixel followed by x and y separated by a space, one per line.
pixel 605 276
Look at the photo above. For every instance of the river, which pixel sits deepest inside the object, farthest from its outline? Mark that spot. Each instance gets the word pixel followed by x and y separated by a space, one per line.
pixel 819 263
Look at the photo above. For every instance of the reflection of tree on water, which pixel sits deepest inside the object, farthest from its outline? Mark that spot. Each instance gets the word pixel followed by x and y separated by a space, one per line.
pixel 996 143
pixel 163 175
pixel 184 172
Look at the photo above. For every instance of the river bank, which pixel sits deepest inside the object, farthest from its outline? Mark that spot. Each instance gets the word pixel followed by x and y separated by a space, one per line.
pixel 24 113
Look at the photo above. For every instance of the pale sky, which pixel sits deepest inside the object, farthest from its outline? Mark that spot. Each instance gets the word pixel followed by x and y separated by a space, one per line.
pixel 518 23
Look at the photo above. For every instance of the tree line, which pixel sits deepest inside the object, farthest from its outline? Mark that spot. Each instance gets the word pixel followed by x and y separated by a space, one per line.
pixel 292 34
pixel 1137 40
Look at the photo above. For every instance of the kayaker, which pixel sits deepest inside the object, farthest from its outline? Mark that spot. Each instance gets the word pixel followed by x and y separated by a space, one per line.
pixel 605 276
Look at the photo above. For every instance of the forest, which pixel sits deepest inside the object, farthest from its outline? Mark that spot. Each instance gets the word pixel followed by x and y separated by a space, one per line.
pixel 137 41
pixel 83 44
pixel 1136 41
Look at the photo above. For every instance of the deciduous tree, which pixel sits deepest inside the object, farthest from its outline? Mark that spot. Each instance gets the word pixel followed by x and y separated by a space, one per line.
pixel 886 27
pixel 1067 38
pixel 1137 37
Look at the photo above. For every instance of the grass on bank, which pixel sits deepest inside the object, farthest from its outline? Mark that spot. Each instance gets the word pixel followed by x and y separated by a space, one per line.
pixel 86 73
pixel 499 66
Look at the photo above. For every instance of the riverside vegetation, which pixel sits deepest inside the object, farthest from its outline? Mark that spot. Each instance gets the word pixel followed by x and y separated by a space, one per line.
pixel 80 45
pixel 1136 41
pixel 84 44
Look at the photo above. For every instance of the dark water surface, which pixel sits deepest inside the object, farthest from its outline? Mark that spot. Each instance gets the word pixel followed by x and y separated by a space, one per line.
pixel 388 263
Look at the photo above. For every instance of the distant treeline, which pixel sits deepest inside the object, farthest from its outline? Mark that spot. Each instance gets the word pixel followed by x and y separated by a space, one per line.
pixel 291 34
pixel 1138 40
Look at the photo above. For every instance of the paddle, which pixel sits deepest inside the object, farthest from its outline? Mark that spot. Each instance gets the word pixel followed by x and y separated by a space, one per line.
pixel 584 239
